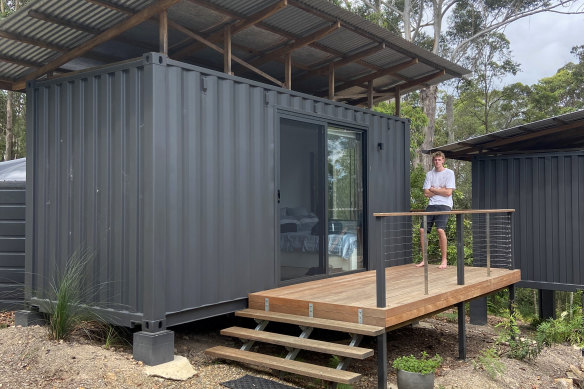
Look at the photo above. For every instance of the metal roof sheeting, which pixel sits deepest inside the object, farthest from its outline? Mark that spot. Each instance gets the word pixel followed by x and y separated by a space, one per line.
pixel 558 133
pixel 71 22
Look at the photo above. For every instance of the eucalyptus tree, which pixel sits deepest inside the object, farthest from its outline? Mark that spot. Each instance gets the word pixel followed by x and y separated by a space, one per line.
pixel 449 27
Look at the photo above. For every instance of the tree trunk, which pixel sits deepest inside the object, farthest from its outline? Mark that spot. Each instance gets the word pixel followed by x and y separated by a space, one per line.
pixel 8 154
pixel 2 6
pixel 535 310
pixel 450 118
pixel 428 98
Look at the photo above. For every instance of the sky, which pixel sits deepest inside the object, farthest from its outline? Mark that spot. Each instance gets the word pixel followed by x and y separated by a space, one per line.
pixel 541 44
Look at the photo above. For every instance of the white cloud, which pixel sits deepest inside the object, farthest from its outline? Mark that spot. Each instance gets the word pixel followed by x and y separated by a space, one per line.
pixel 541 44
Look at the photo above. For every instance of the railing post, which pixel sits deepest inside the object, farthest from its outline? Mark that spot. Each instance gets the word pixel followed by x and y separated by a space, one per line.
pixel 380 290
pixel 510 222
pixel 488 222
pixel 380 269
pixel 425 254
pixel 460 248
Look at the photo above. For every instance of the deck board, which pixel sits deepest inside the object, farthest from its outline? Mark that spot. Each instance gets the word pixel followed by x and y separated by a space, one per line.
pixel 340 298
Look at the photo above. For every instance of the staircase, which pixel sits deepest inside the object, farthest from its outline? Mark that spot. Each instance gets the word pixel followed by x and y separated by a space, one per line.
pixel 294 344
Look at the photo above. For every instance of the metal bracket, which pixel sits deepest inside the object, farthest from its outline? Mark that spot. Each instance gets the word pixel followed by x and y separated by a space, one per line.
pixel 360 316
pixel 306 331
pixel 355 341
pixel 266 304
pixel 310 310
pixel 262 324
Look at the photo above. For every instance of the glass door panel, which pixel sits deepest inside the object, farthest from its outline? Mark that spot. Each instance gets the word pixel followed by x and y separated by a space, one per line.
pixel 301 199
pixel 345 199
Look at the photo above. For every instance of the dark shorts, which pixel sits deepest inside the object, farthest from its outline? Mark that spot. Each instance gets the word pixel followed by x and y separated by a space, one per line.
pixel 439 220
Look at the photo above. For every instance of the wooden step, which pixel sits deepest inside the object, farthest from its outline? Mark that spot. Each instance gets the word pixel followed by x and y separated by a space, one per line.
pixel 340 350
pixel 290 366
pixel 333 325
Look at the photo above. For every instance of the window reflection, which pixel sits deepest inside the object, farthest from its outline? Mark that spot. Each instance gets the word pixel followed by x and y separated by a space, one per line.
pixel 345 199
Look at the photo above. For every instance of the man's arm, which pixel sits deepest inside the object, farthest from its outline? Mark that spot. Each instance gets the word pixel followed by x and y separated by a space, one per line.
pixel 439 191
pixel 428 193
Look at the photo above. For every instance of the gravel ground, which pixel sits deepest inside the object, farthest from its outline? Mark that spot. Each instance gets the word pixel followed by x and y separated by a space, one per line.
pixel 29 359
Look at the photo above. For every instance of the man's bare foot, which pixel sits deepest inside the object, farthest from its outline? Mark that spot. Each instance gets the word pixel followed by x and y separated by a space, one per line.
pixel 443 265
pixel 420 264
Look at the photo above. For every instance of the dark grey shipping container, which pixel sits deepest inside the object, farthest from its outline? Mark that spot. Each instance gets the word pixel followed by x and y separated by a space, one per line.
pixel 171 175
pixel 547 192
pixel 12 227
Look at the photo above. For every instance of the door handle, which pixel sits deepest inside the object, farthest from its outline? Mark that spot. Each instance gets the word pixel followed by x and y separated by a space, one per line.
pixel 278 196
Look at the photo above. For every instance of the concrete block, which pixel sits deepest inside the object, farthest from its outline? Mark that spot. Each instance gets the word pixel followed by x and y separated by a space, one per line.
pixel 28 318
pixel 154 348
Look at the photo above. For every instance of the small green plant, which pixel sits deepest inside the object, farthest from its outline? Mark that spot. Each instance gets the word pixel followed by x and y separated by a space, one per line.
pixel 449 316
pixel 566 328
pixel 67 297
pixel 423 365
pixel 334 361
pixel 489 361
pixel 520 347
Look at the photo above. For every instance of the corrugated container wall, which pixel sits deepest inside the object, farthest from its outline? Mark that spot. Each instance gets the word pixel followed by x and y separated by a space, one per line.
pixel 168 173
pixel 547 192
pixel 12 210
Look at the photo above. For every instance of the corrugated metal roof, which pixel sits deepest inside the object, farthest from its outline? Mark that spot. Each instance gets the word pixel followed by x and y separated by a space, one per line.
pixel 70 23
pixel 558 133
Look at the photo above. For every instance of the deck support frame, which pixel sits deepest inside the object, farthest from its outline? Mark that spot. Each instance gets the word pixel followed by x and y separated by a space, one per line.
pixel 461 332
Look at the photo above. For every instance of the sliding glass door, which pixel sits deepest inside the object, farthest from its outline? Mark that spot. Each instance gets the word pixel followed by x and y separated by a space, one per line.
pixel 320 199
pixel 301 199
pixel 345 199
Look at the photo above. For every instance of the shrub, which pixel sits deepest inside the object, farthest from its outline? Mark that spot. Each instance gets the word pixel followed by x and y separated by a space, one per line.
pixel 520 348
pixel 424 365
pixel 563 329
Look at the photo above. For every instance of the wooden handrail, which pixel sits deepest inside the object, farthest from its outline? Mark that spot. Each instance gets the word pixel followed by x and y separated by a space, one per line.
pixel 453 212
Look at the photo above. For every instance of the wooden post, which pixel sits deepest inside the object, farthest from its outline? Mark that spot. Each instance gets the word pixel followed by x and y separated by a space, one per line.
pixel 163 33
pixel 370 94
pixel 288 70
pixel 331 95
pixel 397 102
pixel 227 50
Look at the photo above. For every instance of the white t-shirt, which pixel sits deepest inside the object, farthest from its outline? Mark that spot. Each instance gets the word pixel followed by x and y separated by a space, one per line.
pixel 443 179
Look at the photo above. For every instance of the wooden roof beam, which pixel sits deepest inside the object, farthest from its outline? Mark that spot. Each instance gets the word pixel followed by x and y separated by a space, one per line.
pixel 81 27
pixel 296 44
pixel 277 31
pixel 196 36
pixel 240 25
pixel 20 62
pixel 407 85
pixel 115 7
pixel 33 42
pixel 384 72
pixel 105 36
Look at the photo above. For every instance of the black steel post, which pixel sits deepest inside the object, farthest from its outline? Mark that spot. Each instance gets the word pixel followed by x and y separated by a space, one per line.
pixel 460 249
pixel 380 268
pixel 461 332
pixel 382 360
pixel 380 291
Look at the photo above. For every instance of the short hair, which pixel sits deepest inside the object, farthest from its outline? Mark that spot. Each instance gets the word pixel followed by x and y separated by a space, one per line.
pixel 438 154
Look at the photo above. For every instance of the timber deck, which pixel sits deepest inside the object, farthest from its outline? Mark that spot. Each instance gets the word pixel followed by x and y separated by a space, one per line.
pixel 351 298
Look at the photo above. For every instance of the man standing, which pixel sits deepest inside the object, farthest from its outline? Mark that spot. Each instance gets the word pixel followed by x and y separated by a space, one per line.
pixel 438 188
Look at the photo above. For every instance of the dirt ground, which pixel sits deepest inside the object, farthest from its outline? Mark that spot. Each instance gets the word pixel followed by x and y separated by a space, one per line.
pixel 28 359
